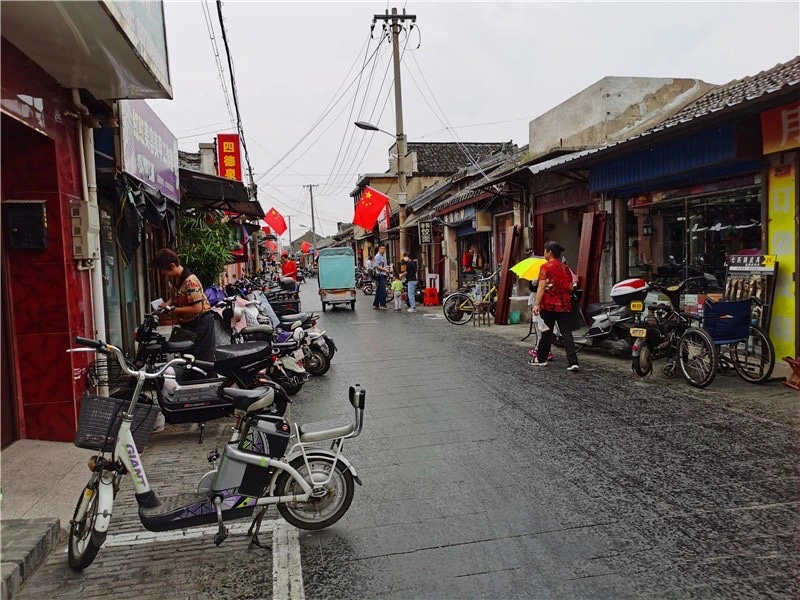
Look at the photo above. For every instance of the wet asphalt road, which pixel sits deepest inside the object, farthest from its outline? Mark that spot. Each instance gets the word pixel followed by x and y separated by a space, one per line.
pixel 486 478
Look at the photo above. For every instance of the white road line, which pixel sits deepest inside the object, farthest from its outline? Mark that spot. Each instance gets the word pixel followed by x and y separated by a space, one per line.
pixel 287 571
pixel 150 537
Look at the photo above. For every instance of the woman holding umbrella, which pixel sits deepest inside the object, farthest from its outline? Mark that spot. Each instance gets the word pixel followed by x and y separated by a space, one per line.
pixel 554 304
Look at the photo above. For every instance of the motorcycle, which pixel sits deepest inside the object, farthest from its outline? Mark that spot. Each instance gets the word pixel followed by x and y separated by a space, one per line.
pixel 311 486
pixel 607 325
pixel 186 400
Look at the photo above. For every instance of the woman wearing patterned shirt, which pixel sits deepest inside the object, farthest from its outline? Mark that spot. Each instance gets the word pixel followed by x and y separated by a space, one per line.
pixel 554 304
pixel 190 307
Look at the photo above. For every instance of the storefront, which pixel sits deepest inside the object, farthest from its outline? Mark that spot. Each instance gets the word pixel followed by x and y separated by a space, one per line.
pixel 558 215
pixel 780 128
pixel 473 231
pixel 693 230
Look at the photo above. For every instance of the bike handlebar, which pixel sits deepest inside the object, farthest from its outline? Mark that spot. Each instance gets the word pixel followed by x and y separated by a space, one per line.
pixel 188 360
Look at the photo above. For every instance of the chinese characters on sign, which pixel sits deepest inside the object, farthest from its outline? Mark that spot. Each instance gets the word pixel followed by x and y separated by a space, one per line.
pixel 149 149
pixel 780 128
pixel 229 158
pixel 425 233
pixel 752 263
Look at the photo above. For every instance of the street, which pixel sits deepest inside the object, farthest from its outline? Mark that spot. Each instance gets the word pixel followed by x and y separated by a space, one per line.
pixel 485 478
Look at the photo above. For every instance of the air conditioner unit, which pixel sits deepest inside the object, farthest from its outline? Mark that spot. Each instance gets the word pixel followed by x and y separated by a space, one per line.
pixel 85 231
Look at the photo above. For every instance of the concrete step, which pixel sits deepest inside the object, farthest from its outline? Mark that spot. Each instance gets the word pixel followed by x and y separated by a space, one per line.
pixel 24 545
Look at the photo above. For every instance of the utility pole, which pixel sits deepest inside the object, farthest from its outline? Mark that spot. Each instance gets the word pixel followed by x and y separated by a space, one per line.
pixel 311 187
pixel 290 232
pixel 396 21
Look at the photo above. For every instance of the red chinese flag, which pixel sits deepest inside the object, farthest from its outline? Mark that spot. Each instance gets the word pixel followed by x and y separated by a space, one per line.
pixel 275 220
pixel 369 208
pixel 305 247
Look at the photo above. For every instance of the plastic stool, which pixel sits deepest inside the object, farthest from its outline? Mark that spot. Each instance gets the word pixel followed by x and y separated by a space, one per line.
pixel 431 297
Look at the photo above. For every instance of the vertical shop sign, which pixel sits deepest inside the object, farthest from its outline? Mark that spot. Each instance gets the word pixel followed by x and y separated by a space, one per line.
pixel 149 148
pixel 782 210
pixel 229 160
pixel 780 128
pixel 425 232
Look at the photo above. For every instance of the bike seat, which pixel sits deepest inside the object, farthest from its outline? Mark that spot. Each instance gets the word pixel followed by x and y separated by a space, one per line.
pixel 238 355
pixel 257 329
pixel 324 430
pixel 291 318
pixel 597 307
pixel 183 346
pixel 249 400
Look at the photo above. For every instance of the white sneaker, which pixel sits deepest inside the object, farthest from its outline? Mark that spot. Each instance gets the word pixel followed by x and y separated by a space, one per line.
pixel 573 368
pixel 412 310
pixel 535 363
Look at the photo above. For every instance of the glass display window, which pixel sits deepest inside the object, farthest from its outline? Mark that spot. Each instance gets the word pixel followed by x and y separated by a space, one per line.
pixel 690 236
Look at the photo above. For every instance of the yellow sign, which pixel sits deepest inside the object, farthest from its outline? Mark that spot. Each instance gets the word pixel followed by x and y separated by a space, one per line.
pixel 782 240
pixel 780 128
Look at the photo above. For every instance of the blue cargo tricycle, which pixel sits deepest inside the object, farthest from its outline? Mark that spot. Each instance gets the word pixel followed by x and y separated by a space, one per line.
pixel 337 277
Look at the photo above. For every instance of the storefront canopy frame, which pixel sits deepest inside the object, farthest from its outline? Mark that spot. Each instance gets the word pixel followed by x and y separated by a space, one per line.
pixel 210 192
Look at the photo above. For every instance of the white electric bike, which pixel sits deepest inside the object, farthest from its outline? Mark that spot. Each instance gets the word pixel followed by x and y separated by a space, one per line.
pixel 312 486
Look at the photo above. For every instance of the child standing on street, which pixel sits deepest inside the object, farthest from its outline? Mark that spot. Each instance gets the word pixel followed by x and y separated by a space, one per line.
pixel 397 288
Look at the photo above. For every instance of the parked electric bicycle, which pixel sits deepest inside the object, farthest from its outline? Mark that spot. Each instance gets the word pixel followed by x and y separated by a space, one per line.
pixel 311 486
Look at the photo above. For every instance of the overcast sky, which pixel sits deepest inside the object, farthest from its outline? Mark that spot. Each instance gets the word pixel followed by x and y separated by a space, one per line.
pixel 484 62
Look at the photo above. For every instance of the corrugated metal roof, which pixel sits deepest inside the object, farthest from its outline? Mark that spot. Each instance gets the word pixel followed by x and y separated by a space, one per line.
pixel 554 162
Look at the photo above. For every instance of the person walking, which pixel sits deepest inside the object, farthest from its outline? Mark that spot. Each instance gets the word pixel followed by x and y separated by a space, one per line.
pixel 411 280
pixel 397 288
pixel 380 270
pixel 554 304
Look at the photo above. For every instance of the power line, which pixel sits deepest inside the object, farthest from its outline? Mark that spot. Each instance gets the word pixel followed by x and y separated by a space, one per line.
pixel 422 137
pixel 446 123
pixel 344 134
pixel 325 113
pixel 349 123
pixel 235 94
pixel 215 51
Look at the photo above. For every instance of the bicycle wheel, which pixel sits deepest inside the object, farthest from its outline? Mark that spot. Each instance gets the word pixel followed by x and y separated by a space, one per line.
pixel 697 357
pixel 389 294
pixel 458 309
pixel 754 358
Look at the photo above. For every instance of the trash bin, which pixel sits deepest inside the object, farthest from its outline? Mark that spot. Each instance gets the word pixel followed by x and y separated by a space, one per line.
pixel 514 317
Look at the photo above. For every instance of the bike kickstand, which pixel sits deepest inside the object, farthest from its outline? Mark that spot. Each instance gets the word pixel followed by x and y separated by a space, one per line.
pixel 255 527
pixel 222 532
pixel 202 432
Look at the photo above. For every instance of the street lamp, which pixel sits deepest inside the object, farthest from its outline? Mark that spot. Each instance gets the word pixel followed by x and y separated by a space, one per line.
pixel 370 127
pixel 401 175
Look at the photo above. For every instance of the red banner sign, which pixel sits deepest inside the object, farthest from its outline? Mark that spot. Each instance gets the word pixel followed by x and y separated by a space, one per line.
pixel 229 158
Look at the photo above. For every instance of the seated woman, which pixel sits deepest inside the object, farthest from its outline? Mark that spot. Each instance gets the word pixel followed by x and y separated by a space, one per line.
pixel 192 310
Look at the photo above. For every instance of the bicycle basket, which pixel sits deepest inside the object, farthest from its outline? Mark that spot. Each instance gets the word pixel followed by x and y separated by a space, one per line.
pixel 727 322
pixel 106 372
pixel 101 417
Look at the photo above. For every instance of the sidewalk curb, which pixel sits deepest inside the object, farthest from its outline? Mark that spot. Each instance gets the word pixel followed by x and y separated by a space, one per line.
pixel 26 544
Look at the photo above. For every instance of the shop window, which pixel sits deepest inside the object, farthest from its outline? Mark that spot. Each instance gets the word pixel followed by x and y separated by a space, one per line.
pixel 693 236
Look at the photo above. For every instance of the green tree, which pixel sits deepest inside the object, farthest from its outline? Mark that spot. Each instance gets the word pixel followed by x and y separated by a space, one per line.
pixel 205 243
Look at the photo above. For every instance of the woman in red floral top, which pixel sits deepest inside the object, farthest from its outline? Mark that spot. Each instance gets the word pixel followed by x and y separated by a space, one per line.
pixel 190 307
pixel 554 304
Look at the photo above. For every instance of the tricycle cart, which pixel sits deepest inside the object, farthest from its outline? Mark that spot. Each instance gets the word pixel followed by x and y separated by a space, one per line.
pixel 337 277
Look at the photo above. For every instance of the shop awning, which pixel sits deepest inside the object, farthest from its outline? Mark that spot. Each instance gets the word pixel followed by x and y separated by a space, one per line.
pixel 200 190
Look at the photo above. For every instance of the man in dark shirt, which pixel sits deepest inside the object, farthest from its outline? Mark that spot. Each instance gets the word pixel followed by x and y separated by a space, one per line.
pixel 411 280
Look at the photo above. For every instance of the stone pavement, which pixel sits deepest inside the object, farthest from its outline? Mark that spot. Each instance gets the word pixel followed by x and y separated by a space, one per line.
pixel 486 478
pixel 772 401
pixel 135 563
pixel 25 544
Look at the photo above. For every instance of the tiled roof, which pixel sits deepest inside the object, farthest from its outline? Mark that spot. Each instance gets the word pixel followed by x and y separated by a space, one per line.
pixel 446 158
pixel 189 160
pixel 782 78
pixel 773 80
pixel 429 194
